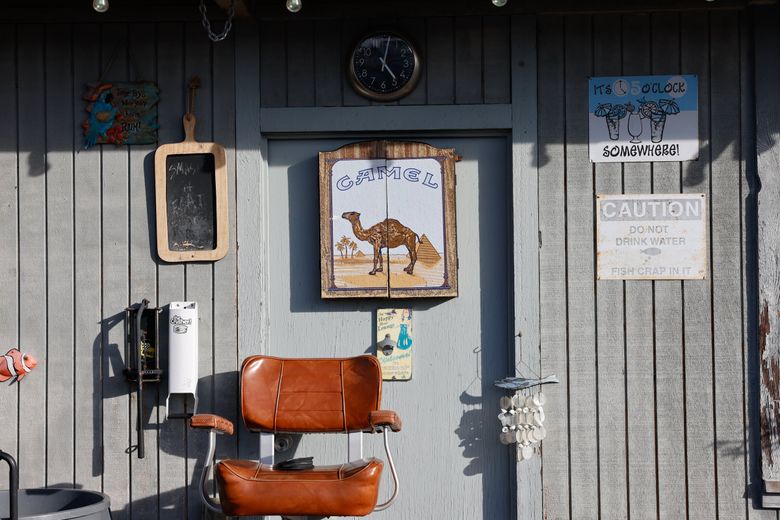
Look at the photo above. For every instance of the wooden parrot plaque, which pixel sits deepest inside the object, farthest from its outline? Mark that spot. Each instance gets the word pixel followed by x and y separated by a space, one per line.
pixel 121 113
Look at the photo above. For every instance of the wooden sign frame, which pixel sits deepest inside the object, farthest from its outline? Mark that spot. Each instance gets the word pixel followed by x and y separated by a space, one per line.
pixel 191 147
pixel 396 172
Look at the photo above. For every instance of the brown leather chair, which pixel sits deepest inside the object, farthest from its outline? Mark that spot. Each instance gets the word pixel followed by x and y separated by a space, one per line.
pixel 303 396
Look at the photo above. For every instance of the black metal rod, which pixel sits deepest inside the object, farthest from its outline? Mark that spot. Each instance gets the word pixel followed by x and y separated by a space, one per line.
pixel 139 367
pixel 13 491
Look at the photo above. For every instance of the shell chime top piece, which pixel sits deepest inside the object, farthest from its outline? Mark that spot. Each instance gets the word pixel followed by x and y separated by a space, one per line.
pixel 522 422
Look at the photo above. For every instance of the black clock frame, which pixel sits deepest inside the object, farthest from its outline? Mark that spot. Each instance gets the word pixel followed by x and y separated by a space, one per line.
pixel 390 96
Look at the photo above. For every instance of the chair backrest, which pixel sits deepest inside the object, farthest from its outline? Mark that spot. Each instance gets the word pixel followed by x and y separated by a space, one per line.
pixel 310 395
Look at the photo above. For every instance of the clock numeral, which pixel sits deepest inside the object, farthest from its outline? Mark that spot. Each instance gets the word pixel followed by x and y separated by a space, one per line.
pixel 364 73
pixel 373 79
pixel 383 85
pixel 395 83
pixel 361 61
pixel 402 75
pixel 366 51
pixel 406 63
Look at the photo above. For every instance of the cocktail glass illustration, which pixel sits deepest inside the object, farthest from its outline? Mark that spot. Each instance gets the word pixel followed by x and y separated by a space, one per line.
pixel 657 113
pixel 634 123
pixel 613 114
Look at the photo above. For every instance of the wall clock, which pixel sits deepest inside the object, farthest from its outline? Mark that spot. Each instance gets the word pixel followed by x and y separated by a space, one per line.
pixel 384 66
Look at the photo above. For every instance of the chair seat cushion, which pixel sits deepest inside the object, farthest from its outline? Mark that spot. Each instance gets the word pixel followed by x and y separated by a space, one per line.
pixel 250 488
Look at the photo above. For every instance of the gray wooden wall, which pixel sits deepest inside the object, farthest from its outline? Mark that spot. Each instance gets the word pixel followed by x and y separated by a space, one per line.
pixel 652 417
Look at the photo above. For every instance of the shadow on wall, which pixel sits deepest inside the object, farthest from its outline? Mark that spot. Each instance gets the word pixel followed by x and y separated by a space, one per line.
pixel 110 362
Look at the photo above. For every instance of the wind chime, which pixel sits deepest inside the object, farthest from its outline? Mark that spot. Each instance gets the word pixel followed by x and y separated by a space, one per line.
pixel 522 414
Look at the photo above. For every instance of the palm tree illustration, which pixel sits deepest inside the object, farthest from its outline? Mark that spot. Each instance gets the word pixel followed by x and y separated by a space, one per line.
pixel 341 248
pixel 353 247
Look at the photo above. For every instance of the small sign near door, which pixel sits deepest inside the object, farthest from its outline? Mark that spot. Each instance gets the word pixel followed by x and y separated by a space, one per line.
pixel 643 118
pixel 652 237
pixel 394 343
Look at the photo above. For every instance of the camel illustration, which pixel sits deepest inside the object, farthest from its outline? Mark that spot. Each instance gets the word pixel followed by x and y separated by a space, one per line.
pixel 389 233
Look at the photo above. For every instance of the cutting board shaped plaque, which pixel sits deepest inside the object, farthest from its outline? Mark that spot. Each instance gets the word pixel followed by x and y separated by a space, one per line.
pixel 191 194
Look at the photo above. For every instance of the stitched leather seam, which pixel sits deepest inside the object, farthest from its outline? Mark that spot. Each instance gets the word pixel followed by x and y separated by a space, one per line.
pixel 278 393
pixel 372 462
pixel 343 396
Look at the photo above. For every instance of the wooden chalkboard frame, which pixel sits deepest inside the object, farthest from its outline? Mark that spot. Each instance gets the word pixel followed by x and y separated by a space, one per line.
pixel 187 147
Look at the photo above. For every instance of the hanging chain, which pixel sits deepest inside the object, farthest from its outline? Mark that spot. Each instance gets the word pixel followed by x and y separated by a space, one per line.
pixel 228 23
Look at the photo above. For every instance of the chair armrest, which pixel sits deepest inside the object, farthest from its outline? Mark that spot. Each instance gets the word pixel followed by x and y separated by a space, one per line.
pixel 380 418
pixel 212 422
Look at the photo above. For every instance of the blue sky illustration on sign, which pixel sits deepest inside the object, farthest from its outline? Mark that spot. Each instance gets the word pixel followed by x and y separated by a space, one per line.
pixel 643 118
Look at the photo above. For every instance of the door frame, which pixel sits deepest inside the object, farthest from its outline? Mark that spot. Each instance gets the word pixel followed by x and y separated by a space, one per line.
pixel 518 119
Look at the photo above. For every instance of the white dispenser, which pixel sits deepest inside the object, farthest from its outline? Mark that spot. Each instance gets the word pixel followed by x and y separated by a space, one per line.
pixel 183 359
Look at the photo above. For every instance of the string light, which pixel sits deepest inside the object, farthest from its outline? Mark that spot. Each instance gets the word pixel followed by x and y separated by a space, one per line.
pixel 101 6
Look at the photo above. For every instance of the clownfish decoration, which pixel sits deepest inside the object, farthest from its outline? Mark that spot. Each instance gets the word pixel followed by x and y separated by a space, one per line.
pixel 15 365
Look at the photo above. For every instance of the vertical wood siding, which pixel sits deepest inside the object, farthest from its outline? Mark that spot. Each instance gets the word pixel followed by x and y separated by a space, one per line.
pixel 465 60
pixel 650 418
pixel 78 247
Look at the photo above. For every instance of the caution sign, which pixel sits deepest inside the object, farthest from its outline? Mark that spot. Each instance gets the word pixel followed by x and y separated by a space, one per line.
pixel 651 237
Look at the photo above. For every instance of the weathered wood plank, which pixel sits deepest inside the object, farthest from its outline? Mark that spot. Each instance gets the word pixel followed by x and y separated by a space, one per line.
pixel 170 283
pixel 300 64
pixel 9 232
pixel 225 326
pixel 468 60
pixel 328 63
pixel 580 271
pixel 496 40
pixel 414 28
pixel 199 275
pixel 525 218
pixel 273 62
pixel 32 251
pixel 669 347
pixel 726 261
pixel 610 340
pixel 697 316
pixel 115 250
pixel 750 65
pixel 552 266
pixel 143 281
pixel 440 65
pixel 640 350
pixel 59 255
pixel 251 214
pixel 88 273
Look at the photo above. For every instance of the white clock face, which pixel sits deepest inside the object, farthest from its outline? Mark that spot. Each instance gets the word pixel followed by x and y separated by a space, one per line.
pixel 620 87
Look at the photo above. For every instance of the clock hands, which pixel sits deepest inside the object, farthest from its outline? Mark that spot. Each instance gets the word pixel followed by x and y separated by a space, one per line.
pixel 383 60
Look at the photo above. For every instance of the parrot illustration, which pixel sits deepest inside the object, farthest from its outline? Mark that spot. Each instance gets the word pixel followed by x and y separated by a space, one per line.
pixel 101 117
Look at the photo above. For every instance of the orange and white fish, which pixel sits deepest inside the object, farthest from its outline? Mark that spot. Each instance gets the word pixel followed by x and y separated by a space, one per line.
pixel 16 365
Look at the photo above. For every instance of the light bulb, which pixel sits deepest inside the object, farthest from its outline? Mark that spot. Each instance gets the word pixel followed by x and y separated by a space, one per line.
pixel 292 5
pixel 499 3
pixel 101 6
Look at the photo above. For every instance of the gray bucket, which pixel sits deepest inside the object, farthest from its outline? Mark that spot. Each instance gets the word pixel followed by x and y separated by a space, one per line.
pixel 58 504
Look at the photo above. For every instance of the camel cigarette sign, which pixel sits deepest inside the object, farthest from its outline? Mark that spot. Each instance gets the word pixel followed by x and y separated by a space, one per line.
pixel 643 118
pixel 652 237
pixel 387 221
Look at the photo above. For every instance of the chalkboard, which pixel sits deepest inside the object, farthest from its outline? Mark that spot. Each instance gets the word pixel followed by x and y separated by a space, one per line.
pixel 190 182
pixel 190 198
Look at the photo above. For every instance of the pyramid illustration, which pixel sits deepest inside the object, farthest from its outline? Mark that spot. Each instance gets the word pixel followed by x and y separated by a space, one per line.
pixel 426 253
pixel 360 254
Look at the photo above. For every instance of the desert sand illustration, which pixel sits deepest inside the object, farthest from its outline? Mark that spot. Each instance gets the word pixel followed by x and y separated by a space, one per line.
pixel 352 266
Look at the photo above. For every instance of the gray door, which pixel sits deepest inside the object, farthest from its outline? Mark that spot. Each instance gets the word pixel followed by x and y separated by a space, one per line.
pixel 450 461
